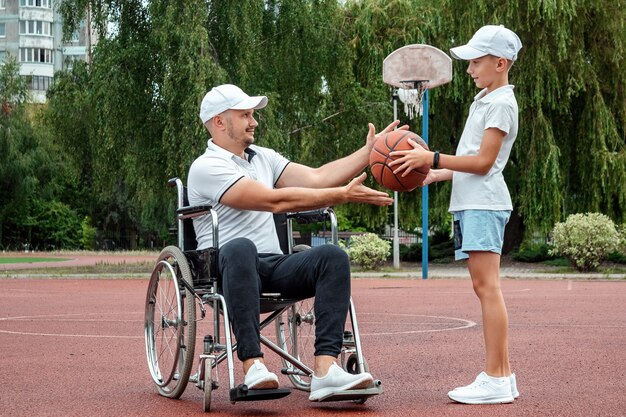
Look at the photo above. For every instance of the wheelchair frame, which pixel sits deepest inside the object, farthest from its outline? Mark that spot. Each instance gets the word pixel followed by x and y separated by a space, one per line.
pixel 173 300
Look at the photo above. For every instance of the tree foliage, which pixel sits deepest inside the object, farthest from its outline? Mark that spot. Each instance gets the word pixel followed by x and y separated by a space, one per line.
pixel 25 161
pixel 129 120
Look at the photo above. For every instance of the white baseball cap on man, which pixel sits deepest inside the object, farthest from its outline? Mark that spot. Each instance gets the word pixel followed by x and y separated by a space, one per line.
pixel 490 40
pixel 226 97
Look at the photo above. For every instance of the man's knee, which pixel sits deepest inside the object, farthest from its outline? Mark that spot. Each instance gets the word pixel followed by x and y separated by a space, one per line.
pixel 335 253
pixel 334 259
pixel 239 258
pixel 238 248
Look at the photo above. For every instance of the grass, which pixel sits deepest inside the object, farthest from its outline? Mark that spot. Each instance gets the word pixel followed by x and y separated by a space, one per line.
pixel 23 260
pixel 98 268
pixel 122 267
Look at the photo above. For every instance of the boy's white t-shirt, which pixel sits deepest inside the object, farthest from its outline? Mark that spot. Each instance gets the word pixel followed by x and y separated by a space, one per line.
pixel 212 174
pixel 486 192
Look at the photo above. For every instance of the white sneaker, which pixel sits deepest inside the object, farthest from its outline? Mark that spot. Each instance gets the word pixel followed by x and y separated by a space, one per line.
pixel 514 391
pixel 484 390
pixel 337 380
pixel 258 377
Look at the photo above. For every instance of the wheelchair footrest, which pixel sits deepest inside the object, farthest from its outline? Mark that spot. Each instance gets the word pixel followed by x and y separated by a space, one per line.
pixel 242 393
pixel 375 388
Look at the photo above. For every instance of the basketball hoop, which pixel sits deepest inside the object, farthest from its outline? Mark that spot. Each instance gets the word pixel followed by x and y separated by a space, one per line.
pixel 411 71
pixel 412 96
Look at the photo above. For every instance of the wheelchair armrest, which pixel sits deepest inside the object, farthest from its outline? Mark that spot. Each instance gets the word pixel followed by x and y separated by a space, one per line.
pixel 192 211
pixel 310 216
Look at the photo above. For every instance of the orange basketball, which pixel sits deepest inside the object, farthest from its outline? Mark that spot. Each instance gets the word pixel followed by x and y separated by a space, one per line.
pixel 379 158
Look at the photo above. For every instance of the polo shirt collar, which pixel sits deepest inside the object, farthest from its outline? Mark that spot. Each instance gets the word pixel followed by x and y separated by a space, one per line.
pixel 211 146
pixel 250 153
pixel 483 97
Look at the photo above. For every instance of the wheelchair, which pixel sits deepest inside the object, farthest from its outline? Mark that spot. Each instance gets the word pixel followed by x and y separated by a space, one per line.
pixel 184 289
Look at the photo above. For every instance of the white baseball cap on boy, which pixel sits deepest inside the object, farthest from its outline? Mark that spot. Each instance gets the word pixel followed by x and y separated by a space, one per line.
pixel 226 97
pixel 490 40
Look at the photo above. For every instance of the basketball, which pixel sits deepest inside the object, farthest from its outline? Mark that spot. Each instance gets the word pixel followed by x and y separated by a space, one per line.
pixel 398 140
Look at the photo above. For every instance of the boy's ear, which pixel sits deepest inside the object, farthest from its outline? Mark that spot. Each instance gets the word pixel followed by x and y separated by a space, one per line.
pixel 502 65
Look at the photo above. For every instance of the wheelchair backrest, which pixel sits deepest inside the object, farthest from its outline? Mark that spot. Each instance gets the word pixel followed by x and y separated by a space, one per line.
pixel 189 232
pixel 280 220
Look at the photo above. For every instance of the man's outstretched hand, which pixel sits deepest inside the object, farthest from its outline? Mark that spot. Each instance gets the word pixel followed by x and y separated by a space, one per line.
pixel 356 192
pixel 372 136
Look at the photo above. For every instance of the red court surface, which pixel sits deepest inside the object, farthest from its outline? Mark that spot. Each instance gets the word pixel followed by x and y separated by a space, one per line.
pixel 72 347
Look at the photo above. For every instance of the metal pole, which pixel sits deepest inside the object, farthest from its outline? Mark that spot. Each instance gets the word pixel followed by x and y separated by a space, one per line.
pixel 425 193
pixel 396 243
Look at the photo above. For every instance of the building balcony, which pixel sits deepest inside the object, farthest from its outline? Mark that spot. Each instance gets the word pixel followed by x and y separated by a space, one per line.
pixel 36 41
pixel 35 68
pixel 46 15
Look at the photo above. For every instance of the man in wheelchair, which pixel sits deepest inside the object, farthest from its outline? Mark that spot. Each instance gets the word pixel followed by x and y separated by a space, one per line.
pixel 246 184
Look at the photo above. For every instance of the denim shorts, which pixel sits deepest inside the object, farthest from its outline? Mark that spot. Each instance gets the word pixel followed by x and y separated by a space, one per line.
pixel 479 230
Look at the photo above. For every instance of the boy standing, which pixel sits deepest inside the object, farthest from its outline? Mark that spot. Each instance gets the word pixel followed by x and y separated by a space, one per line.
pixel 480 200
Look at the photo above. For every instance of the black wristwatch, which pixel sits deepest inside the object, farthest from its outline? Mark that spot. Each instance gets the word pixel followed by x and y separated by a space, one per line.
pixel 436 160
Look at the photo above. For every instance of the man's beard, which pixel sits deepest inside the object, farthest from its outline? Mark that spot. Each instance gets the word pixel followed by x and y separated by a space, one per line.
pixel 231 134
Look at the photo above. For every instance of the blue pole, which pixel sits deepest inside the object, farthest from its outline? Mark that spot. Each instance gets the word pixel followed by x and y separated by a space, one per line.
pixel 425 193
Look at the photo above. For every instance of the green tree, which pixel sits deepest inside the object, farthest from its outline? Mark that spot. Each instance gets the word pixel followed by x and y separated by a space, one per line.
pixel 320 62
pixel 570 81
pixel 24 160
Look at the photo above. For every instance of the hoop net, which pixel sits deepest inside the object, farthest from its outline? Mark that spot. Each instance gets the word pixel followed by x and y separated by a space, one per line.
pixel 412 98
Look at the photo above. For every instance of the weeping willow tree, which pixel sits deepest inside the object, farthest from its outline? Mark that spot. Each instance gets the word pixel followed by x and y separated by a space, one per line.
pixel 320 64
pixel 570 79
pixel 145 85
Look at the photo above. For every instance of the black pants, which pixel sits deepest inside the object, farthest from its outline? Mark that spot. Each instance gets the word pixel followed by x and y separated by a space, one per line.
pixel 323 272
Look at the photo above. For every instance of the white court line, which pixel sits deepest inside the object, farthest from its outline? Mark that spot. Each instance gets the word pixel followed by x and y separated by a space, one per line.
pixel 464 325
pixel 64 318
pixel 72 335
pixel 46 316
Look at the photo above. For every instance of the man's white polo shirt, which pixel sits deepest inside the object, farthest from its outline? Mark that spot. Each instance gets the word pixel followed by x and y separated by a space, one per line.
pixel 486 192
pixel 213 173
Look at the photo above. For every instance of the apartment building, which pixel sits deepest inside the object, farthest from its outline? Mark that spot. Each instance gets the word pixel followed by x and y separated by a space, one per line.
pixel 31 31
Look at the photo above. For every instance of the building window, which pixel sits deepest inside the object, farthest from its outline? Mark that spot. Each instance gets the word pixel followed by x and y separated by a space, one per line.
pixel 35 27
pixel 3 4
pixel 39 82
pixel 2 30
pixel 36 3
pixel 36 55
pixel 70 60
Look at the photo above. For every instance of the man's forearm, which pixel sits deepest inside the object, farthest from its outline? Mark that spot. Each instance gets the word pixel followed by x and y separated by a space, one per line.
pixel 340 171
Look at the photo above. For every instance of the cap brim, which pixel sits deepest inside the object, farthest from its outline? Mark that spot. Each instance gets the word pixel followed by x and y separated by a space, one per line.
pixel 466 52
pixel 256 102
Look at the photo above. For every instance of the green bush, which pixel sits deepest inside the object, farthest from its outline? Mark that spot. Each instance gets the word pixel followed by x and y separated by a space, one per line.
pixel 443 250
pixel 53 225
pixel 368 250
pixel 88 238
pixel 586 239
pixel 411 253
pixel 619 255
pixel 533 252
pixel 439 251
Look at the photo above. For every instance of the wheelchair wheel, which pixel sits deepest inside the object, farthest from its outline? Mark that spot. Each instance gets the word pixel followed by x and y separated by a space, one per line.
pixel 170 323
pixel 352 364
pixel 295 332
pixel 208 386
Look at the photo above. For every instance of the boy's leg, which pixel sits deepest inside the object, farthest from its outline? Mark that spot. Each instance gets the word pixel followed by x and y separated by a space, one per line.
pixel 478 237
pixel 484 268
